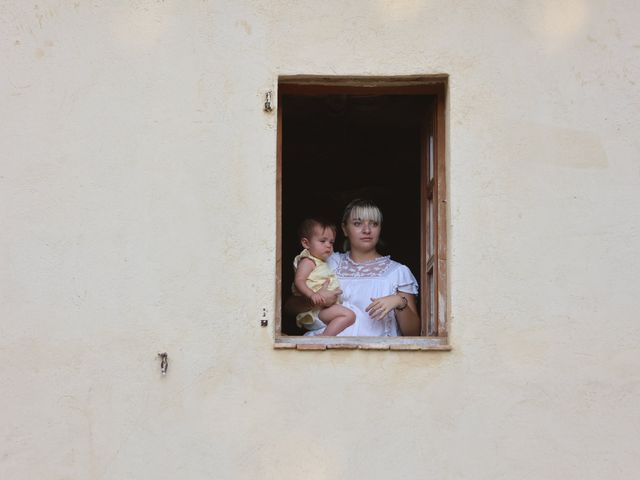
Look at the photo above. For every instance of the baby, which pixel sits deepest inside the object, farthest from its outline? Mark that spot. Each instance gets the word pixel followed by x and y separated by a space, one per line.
pixel 312 272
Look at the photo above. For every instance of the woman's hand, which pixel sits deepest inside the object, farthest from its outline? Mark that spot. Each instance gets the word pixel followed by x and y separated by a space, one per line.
pixel 317 299
pixel 380 307
pixel 296 304
pixel 330 297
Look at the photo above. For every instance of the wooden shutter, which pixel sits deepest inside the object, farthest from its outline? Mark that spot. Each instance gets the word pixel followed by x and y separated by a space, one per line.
pixel 434 225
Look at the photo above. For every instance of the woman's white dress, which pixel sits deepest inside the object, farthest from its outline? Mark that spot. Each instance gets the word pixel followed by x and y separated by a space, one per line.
pixel 360 282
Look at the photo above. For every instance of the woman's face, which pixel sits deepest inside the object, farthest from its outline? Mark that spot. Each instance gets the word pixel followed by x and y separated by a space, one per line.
pixel 363 235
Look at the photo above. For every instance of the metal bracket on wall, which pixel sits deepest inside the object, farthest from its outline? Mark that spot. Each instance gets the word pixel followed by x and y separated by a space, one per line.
pixel 164 362
pixel 268 107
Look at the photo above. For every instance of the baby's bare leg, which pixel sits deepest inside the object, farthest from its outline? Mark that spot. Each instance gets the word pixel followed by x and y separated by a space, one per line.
pixel 337 319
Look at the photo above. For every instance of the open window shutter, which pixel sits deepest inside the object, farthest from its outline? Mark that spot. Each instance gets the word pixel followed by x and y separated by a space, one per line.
pixel 433 274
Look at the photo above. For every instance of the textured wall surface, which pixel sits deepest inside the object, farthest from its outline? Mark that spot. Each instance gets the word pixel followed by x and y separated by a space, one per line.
pixel 137 180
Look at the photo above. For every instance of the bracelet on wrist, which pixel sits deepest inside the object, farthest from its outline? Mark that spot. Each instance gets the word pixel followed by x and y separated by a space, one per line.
pixel 405 302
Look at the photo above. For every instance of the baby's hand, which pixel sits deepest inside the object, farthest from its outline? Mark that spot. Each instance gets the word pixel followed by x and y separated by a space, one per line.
pixel 317 299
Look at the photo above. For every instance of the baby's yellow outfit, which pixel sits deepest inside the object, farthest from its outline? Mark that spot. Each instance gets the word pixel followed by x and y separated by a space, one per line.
pixel 315 281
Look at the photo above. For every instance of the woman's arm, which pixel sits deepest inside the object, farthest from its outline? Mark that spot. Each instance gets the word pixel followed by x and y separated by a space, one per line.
pixel 407 318
pixel 297 304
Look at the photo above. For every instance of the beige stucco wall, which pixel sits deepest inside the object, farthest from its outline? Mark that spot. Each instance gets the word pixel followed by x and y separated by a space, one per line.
pixel 137 206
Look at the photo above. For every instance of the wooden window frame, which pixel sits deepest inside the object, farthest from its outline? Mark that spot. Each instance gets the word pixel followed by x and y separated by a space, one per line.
pixel 433 274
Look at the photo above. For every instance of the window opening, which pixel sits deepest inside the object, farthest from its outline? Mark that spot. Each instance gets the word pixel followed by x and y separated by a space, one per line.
pixel 383 143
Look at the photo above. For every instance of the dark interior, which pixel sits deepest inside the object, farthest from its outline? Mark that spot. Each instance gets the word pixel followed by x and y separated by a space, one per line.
pixel 339 147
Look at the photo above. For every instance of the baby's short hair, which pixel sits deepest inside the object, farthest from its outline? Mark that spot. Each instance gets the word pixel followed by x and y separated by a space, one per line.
pixel 305 230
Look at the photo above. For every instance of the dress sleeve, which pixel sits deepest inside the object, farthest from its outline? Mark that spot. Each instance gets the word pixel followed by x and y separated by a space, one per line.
pixel 304 254
pixel 334 260
pixel 405 281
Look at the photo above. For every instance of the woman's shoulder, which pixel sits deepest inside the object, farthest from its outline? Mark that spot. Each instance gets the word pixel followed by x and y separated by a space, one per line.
pixel 403 279
pixel 397 268
pixel 334 259
pixel 336 255
pixel 397 265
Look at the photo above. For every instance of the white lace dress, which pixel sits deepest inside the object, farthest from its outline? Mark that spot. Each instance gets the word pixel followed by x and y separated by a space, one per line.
pixel 362 281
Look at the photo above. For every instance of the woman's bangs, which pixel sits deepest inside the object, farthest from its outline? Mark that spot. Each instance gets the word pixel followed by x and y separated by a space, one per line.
pixel 369 213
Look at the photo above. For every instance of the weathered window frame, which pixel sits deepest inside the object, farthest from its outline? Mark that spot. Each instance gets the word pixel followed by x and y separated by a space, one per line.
pixel 433 242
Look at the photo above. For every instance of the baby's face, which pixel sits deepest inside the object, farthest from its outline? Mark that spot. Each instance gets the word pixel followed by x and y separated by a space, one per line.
pixel 320 244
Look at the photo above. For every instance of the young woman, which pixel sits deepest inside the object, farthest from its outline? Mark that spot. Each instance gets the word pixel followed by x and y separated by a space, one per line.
pixel 381 292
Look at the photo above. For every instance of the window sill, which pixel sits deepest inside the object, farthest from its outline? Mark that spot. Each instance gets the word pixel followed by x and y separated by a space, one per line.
pixel 362 343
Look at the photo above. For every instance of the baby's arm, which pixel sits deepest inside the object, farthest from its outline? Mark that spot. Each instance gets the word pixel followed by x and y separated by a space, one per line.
pixel 305 267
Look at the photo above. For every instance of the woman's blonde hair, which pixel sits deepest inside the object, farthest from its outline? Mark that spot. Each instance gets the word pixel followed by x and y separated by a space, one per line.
pixel 361 209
